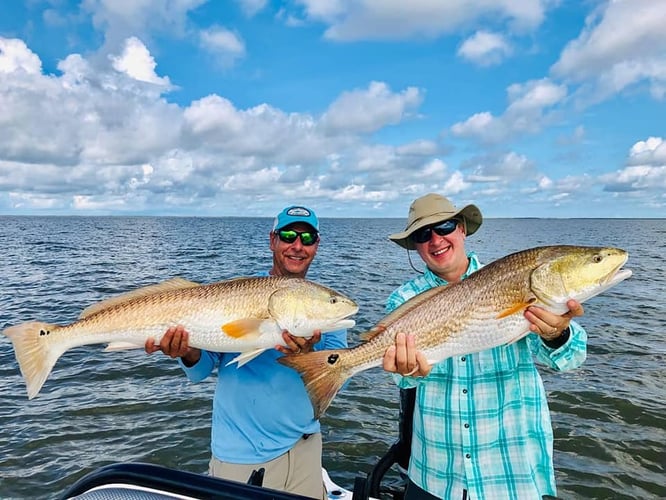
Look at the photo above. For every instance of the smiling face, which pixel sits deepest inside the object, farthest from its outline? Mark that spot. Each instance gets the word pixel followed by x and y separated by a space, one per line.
pixel 292 259
pixel 445 255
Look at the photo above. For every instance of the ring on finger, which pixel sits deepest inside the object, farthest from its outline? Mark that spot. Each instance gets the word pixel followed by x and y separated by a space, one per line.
pixel 416 368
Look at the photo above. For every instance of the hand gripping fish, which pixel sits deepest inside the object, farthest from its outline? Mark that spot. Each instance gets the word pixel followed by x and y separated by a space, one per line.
pixel 481 312
pixel 244 315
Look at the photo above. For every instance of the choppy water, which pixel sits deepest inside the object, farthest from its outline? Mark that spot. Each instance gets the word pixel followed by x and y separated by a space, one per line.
pixel 99 408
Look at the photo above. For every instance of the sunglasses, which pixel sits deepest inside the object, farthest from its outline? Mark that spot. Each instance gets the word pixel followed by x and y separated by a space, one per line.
pixel 308 238
pixel 442 229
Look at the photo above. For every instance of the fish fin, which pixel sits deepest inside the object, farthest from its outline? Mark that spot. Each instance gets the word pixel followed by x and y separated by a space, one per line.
pixel 245 357
pixel 401 311
pixel 372 333
pixel 121 346
pixel 247 328
pixel 515 308
pixel 323 375
pixel 172 284
pixel 36 356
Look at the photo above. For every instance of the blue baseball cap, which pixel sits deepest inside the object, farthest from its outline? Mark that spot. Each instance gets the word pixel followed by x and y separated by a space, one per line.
pixel 293 214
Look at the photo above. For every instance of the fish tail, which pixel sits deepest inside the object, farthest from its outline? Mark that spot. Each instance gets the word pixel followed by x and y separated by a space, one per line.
pixel 34 353
pixel 323 374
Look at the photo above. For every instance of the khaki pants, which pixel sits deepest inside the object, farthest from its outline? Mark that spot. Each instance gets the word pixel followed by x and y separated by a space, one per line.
pixel 297 471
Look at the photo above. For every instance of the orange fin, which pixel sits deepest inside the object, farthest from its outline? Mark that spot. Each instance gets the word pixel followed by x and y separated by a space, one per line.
pixel 323 374
pixel 515 308
pixel 241 328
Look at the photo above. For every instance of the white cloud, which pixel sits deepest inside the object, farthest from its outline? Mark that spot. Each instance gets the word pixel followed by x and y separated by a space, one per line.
pixel 651 151
pixel 636 178
pixel 16 56
pixel 359 193
pixel 252 7
pixel 646 169
pixel 226 45
pixel 534 96
pixel 529 109
pixel 120 20
pixel 370 109
pixel 396 19
pixel 485 48
pixel 508 167
pixel 136 62
pixel 622 45
pixel 455 183
pixel 421 147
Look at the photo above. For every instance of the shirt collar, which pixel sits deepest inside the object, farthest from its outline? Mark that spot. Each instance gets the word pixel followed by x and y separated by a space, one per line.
pixel 435 280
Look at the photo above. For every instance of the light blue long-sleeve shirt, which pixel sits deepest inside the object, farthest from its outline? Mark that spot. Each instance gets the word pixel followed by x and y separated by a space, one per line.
pixel 481 421
pixel 261 409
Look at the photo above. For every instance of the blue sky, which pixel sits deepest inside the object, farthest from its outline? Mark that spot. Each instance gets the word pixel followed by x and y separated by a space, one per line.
pixel 528 108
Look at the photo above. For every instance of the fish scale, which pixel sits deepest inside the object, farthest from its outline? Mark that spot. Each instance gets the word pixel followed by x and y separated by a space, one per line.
pixel 481 312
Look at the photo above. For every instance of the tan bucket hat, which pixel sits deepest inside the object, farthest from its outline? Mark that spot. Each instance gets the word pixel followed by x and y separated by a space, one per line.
pixel 431 209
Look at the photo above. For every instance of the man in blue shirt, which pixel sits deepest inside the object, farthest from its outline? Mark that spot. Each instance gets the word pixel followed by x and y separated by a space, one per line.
pixel 481 422
pixel 262 415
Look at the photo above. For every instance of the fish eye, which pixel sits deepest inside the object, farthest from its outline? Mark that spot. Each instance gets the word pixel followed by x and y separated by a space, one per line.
pixel 333 300
pixel 597 258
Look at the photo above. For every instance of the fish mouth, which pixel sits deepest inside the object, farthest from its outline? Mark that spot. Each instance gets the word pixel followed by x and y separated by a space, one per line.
pixel 615 277
pixel 344 323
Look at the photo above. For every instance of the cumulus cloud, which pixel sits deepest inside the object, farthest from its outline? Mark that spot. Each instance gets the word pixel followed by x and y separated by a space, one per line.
pixel 621 46
pixel 136 62
pixel 370 109
pixel 104 139
pixel 121 20
pixel 645 170
pixel 16 56
pixel 485 48
pixel 350 20
pixel 507 167
pixel 224 44
pixel 529 109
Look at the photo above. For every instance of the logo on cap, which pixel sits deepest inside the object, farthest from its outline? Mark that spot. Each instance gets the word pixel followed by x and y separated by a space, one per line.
pixel 298 212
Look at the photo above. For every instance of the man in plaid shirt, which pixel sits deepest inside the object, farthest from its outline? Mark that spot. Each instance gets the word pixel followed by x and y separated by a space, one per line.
pixel 481 421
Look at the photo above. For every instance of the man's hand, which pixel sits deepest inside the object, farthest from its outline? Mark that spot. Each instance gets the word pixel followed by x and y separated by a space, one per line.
pixel 175 343
pixel 298 345
pixel 405 359
pixel 549 325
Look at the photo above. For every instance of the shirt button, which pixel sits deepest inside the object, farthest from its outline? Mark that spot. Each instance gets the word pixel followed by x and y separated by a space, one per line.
pixel 468 455
pixel 462 359
pixel 466 426
pixel 464 391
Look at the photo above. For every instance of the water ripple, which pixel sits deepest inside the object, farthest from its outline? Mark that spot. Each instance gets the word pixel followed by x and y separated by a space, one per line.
pixel 97 408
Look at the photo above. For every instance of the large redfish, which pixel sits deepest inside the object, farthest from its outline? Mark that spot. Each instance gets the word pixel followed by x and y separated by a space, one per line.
pixel 244 315
pixel 481 312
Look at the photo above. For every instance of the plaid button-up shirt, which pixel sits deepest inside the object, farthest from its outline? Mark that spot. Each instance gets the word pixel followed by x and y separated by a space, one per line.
pixel 481 421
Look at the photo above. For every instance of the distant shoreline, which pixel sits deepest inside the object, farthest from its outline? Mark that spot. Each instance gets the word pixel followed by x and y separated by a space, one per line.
pixel 171 216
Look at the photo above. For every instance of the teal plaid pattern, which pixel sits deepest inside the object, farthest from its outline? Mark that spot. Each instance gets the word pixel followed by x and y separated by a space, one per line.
pixel 481 421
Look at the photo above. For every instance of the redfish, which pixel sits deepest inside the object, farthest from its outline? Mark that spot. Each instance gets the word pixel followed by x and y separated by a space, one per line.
pixel 244 315
pixel 481 312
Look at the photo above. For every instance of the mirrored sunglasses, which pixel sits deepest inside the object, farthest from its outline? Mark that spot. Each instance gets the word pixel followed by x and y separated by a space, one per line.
pixel 289 236
pixel 442 229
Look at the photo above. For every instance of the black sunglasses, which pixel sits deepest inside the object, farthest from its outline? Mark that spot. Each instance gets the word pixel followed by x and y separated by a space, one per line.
pixel 308 238
pixel 425 233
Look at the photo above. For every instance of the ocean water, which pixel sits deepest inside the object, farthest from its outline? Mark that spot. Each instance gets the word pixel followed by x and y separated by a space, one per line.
pixel 98 408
